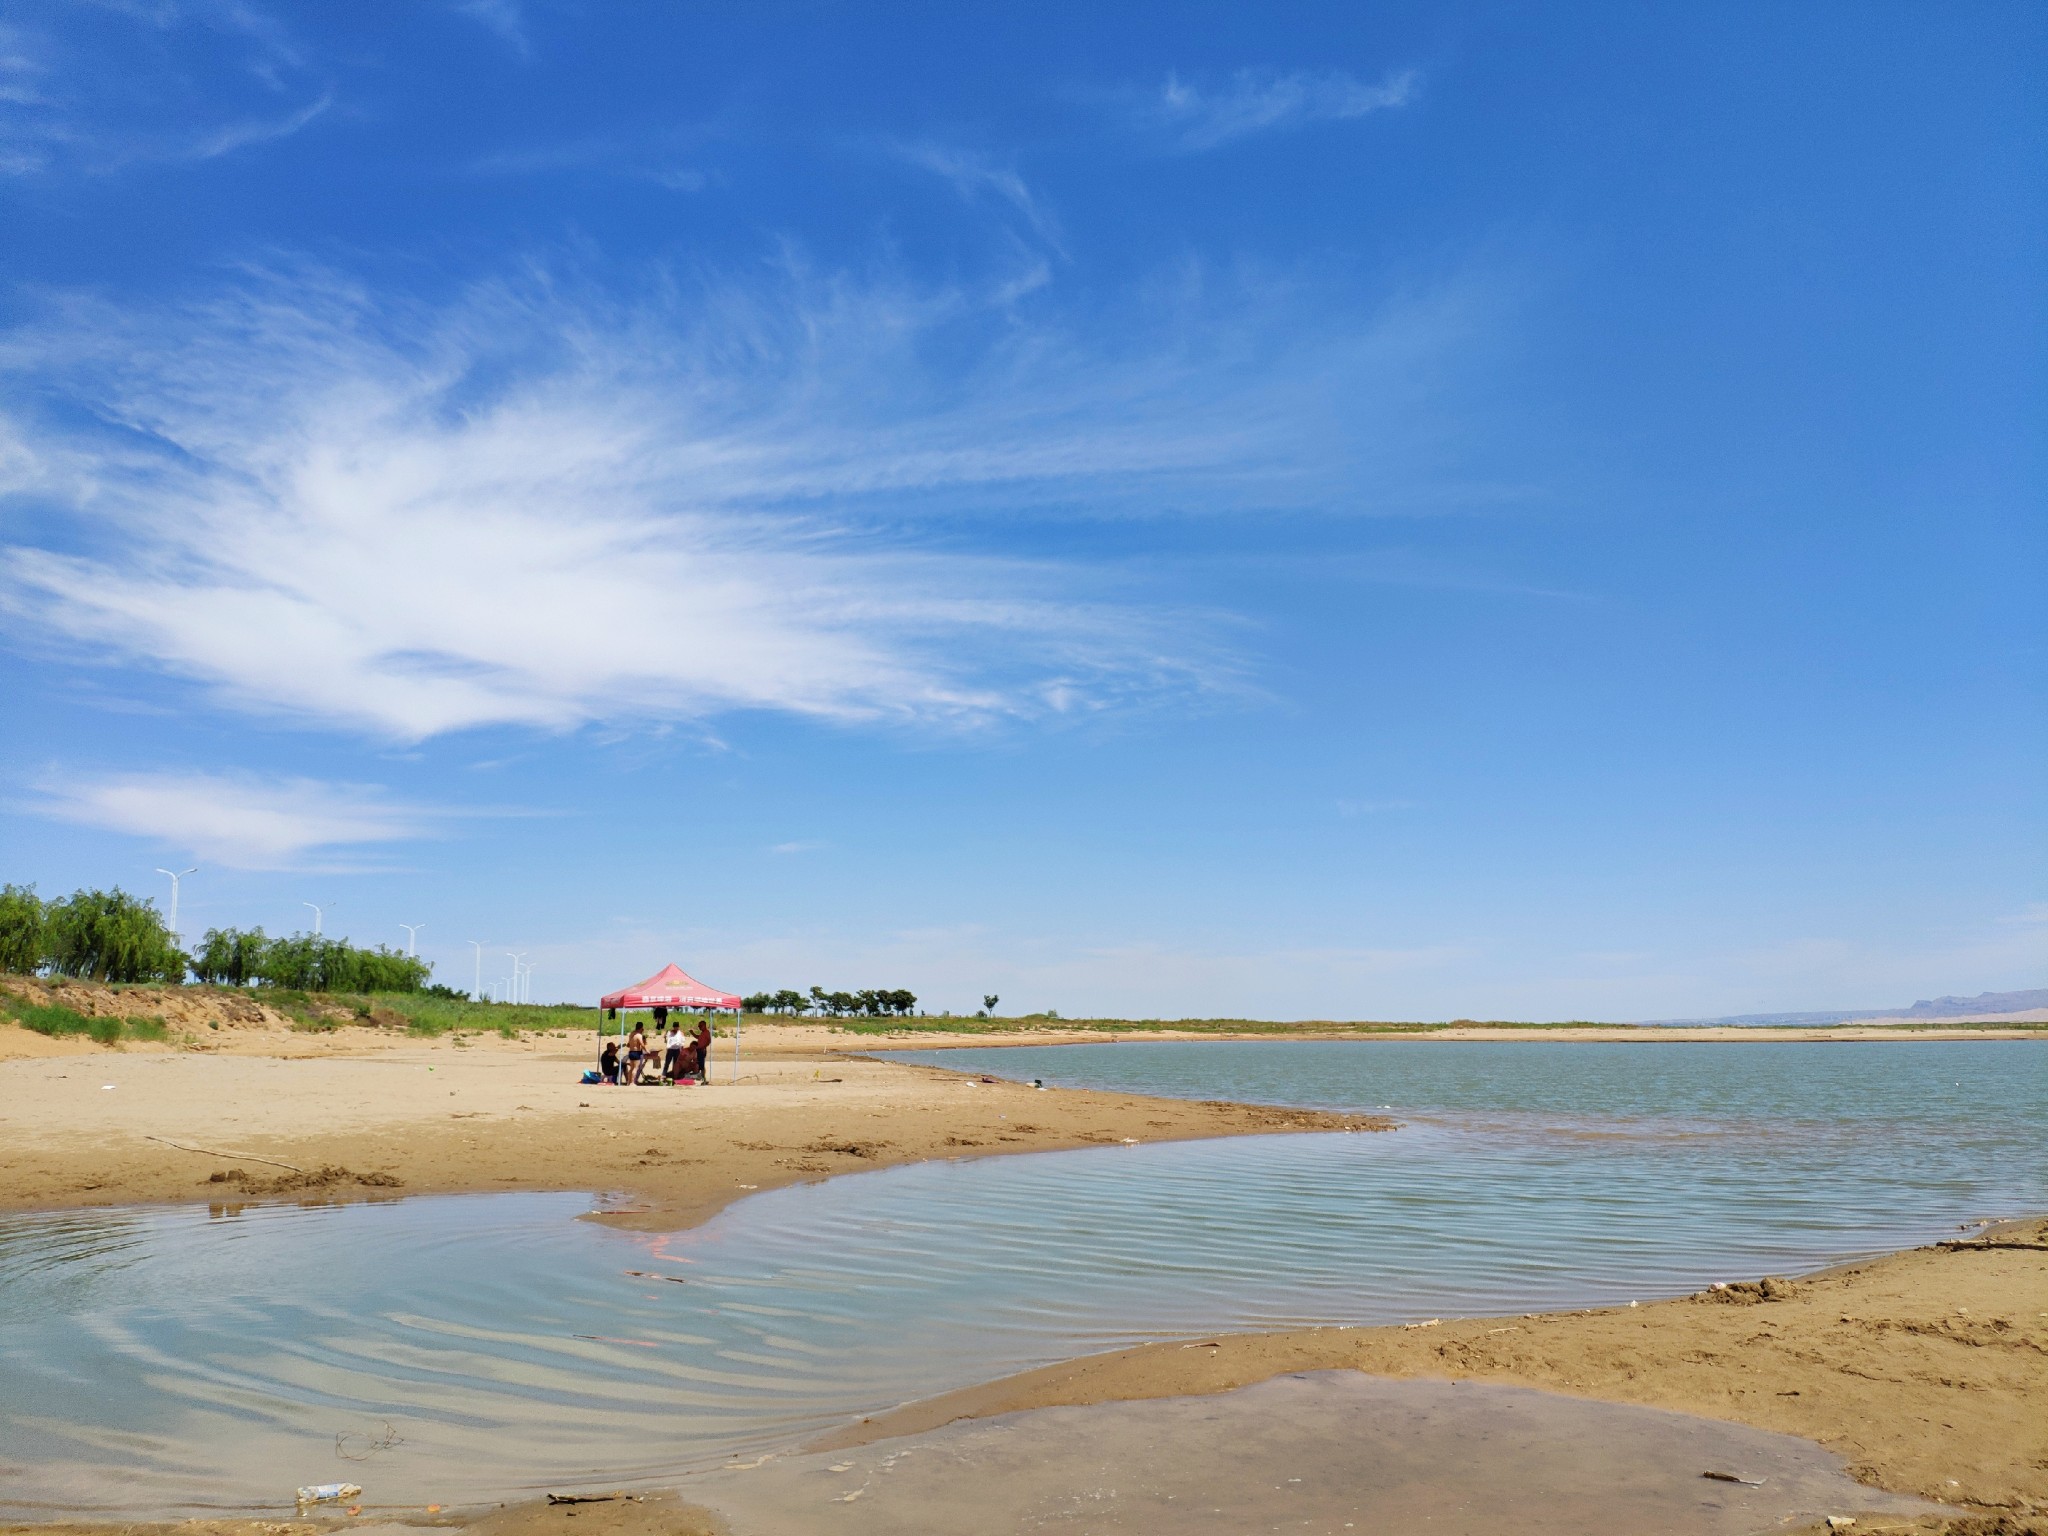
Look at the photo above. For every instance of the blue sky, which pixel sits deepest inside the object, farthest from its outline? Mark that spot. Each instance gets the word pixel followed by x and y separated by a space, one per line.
pixel 1404 511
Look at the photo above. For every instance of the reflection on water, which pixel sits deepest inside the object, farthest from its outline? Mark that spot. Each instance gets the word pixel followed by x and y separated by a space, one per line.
pixel 467 1347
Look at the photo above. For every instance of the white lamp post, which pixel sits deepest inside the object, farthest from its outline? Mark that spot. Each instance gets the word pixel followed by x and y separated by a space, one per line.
pixel 317 916
pixel 176 875
pixel 412 936
pixel 476 992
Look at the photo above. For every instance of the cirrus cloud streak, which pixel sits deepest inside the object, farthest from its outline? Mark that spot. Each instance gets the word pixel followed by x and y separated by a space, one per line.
pixel 543 507
pixel 238 820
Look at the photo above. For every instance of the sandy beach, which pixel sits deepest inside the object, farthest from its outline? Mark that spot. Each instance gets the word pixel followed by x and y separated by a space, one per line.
pixel 365 1114
pixel 1925 1370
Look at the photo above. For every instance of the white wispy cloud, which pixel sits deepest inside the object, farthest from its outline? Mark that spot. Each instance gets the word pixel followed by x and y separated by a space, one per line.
pixel 237 820
pixel 545 511
pixel 97 90
pixel 1200 116
pixel 212 143
pixel 661 156
pixel 974 175
pixel 505 18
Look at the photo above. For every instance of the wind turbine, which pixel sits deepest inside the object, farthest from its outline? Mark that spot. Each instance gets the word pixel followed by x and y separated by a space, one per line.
pixel 176 875
pixel 412 935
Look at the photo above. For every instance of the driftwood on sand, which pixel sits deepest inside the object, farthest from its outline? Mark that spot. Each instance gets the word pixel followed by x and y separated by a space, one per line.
pixel 236 1156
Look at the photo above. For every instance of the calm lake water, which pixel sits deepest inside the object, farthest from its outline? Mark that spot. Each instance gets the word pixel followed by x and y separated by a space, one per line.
pixel 172 1360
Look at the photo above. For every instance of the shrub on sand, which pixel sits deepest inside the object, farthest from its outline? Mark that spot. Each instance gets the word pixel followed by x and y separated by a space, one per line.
pixel 56 1021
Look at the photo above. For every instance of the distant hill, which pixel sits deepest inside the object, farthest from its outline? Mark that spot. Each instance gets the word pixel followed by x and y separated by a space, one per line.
pixel 1983 1004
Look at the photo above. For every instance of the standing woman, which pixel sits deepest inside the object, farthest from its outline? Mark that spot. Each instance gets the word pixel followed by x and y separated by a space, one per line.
pixel 702 1052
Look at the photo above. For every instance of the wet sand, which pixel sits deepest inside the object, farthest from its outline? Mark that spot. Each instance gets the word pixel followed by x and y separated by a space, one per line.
pixel 1927 1371
pixel 1316 1453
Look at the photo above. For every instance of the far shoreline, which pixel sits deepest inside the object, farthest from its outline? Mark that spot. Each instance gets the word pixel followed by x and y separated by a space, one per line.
pixel 1118 1033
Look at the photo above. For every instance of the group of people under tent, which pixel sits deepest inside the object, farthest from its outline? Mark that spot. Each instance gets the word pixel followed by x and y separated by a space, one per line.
pixel 679 1058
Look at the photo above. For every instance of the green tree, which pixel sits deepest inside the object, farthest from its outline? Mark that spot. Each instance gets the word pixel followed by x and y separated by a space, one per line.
pixel 111 936
pixel 24 925
pixel 231 956
pixel 311 962
pixel 759 1002
pixel 790 1001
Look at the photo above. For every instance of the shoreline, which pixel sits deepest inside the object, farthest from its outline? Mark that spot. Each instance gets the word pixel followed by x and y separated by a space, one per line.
pixel 1112 1033
pixel 271 1113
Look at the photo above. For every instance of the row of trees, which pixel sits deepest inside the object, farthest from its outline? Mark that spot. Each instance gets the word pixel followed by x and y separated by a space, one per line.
pixel 306 962
pixel 113 936
pixel 871 1002
pixel 101 935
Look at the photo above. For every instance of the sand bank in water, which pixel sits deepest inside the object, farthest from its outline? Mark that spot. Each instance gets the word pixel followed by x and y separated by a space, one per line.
pixel 363 1114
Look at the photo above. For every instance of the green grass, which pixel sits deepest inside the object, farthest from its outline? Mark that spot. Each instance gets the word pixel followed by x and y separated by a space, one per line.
pixel 49 1019
pixel 430 1016
pixel 419 1014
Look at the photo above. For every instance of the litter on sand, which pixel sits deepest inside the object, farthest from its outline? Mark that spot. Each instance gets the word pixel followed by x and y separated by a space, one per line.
pixel 1730 1477
pixel 328 1493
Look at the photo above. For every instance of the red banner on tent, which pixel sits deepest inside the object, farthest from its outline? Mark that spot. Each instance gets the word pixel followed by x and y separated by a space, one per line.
pixel 672 987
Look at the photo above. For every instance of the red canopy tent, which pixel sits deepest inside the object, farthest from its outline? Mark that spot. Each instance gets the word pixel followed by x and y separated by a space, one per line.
pixel 673 987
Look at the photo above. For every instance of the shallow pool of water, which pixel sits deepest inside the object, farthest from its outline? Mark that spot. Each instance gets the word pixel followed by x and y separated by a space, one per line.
pixel 459 1348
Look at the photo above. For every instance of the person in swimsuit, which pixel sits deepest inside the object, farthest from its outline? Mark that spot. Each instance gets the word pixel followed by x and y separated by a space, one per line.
pixel 636 1055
